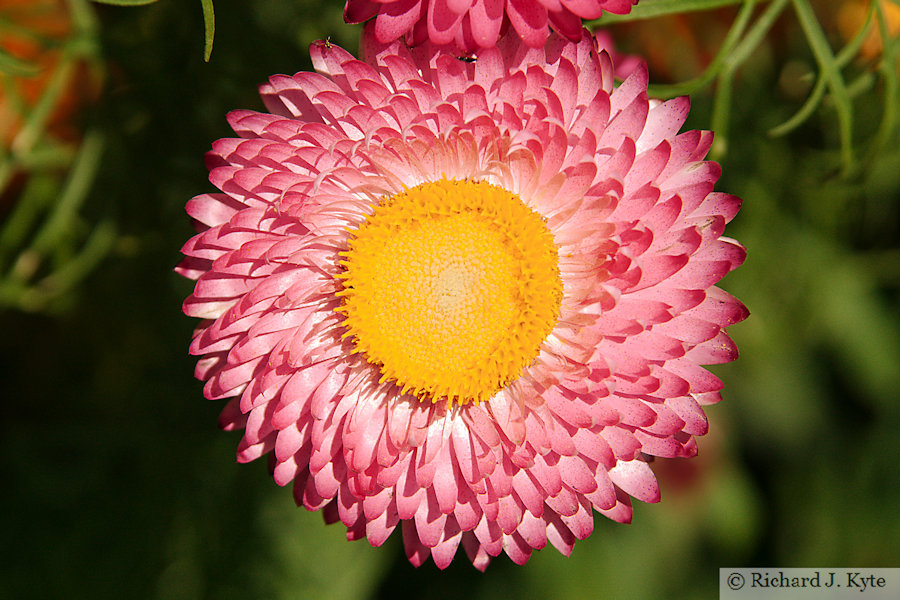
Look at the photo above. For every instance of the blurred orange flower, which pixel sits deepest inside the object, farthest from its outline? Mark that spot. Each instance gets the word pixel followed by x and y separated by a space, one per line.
pixel 34 37
pixel 852 16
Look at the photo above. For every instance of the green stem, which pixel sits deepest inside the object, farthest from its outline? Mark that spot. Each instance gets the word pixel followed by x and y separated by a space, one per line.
pixel 209 25
pixel 73 270
pixel 741 53
pixel 888 70
pixel 650 9
pixel 862 84
pixel 12 65
pixel 718 62
pixel 30 205
pixel 84 18
pixel 720 114
pixel 832 74
pixel 756 35
pixel 77 185
pixel 126 2
pixel 815 97
pixel 34 124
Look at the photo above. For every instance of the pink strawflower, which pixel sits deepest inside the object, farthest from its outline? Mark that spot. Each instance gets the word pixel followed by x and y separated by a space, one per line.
pixel 472 25
pixel 624 64
pixel 466 298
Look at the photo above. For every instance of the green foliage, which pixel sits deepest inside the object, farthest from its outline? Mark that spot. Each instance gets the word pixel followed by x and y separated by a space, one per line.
pixel 209 19
pixel 46 247
pixel 126 2
pixel 209 24
pixel 745 38
pixel 12 65
pixel 651 9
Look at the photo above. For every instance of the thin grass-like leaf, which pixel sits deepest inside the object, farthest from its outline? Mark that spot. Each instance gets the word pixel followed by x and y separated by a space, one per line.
pixel 720 114
pixel 862 84
pixel 125 2
pixel 12 65
pixel 75 190
pixel 740 54
pixel 830 71
pixel 717 63
pixel 209 25
pixel 888 69
pixel 818 92
pixel 756 35
pixel 15 105
pixel 17 225
pixel 84 19
pixel 73 270
pixel 650 9
pixel 37 118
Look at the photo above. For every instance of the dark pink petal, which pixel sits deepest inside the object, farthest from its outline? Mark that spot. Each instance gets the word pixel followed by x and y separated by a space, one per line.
pixel 358 11
pixel 397 19
pixel 486 17
pixel 529 19
pixel 443 21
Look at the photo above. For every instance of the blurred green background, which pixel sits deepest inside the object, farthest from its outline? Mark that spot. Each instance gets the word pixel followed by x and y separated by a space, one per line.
pixel 117 483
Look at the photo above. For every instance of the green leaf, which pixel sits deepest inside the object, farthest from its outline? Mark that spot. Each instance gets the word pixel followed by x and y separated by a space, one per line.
pixel 15 66
pixel 812 103
pixel 209 22
pixel 830 71
pixel 742 52
pixel 888 71
pixel 650 9
pixel 125 2
pixel 73 194
pixel 756 35
pixel 715 66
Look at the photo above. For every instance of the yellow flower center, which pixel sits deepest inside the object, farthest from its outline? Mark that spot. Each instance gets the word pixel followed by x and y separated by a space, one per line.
pixel 450 288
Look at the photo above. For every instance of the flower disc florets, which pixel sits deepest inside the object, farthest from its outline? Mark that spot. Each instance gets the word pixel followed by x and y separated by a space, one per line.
pixel 515 235
pixel 450 288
